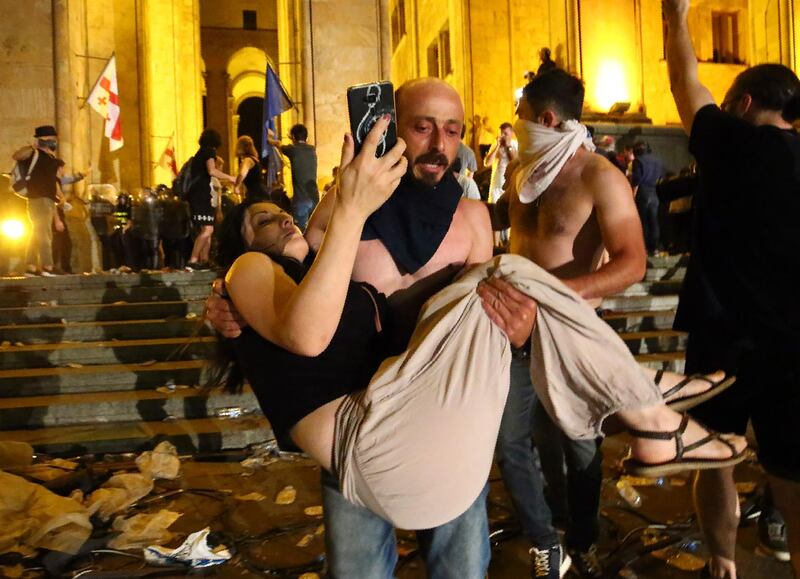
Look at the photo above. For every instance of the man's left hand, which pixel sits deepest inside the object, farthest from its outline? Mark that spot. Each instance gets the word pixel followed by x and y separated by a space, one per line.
pixel 513 311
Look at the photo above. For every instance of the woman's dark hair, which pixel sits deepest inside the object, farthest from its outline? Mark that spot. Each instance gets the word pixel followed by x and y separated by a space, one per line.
pixel 558 90
pixel 210 138
pixel 773 87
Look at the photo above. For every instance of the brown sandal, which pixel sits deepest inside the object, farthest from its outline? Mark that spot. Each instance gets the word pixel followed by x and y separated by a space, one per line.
pixel 687 402
pixel 679 463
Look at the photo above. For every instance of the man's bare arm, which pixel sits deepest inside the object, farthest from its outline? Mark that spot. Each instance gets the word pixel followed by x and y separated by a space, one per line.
pixel 689 93
pixel 620 230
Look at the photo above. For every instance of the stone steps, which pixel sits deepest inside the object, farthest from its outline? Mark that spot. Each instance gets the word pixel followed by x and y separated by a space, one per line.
pixel 100 312
pixel 203 434
pixel 107 295
pixel 129 280
pixel 93 331
pixel 106 352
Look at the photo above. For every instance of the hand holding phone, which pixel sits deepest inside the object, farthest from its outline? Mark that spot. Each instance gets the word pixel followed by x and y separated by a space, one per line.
pixel 366 103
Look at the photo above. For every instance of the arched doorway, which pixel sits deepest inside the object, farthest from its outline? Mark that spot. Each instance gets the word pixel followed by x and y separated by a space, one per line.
pixel 251 119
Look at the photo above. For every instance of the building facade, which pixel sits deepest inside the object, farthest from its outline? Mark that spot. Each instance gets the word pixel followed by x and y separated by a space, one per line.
pixel 186 64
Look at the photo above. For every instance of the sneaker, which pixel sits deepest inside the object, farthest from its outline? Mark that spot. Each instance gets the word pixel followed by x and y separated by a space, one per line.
pixel 586 563
pixel 549 563
pixel 772 535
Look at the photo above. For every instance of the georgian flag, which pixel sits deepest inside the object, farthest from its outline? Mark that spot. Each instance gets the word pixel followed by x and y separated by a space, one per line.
pixel 104 99
pixel 167 160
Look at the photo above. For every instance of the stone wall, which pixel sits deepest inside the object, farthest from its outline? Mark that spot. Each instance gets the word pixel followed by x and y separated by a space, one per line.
pixel 26 100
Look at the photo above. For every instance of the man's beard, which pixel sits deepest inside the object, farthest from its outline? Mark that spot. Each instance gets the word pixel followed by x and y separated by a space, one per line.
pixel 429 158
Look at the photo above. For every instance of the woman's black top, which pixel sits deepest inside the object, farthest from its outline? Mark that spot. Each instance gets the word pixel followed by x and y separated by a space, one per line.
pixel 254 181
pixel 288 386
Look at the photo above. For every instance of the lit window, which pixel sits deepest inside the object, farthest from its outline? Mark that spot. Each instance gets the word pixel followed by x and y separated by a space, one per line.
pixel 725 31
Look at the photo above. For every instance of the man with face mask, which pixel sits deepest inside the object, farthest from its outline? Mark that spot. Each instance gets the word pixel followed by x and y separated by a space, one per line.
pixel 43 193
pixel 565 205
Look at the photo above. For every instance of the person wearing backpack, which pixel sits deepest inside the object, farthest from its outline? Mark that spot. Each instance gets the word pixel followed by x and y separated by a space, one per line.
pixel 42 172
pixel 197 187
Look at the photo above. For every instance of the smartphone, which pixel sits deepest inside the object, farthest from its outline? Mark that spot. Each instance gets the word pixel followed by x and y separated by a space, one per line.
pixel 366 103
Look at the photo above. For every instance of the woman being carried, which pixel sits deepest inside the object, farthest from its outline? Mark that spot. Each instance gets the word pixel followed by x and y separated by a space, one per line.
pixel 412 437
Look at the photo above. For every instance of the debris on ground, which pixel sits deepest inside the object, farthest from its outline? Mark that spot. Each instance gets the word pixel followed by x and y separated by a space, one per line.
pixel 14 454
pixel 160 463
pixel 194 552
pixel 286 496
pixel 143 529
pixel 118 493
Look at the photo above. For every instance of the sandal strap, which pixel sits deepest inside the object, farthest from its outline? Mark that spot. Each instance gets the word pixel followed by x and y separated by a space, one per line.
pixel 677 388
pixel 659 376
pixel 661 434
pixel 712 436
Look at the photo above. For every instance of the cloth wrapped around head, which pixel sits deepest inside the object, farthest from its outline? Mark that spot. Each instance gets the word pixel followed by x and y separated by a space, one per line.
pixel 543 152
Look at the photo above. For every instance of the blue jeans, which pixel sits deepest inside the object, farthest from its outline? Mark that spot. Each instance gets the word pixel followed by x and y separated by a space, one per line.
pixel 580 489
pixel 361 545
pixel 301 211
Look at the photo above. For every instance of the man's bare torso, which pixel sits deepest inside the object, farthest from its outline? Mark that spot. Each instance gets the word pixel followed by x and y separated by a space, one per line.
pixel 375 265
pixel 560 231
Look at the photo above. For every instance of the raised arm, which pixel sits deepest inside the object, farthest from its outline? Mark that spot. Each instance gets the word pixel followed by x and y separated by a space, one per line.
pixel 621 232
pixel 689 93
pixel 315 231
pixel 304 318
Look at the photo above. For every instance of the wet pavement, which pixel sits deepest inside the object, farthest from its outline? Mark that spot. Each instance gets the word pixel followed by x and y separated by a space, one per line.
pixel 287 540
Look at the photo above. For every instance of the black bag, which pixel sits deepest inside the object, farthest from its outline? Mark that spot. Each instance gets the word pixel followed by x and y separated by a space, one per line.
pixel 21 174
pixel 184 181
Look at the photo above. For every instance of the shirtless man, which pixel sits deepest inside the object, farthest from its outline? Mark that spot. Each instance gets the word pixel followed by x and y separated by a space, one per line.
pixel 587 207
pixel 360 544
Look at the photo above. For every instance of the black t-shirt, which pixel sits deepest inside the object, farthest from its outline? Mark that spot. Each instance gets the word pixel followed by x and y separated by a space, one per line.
pixel 201 179
pixel 44 177
pixel 746 247
pixel 304 171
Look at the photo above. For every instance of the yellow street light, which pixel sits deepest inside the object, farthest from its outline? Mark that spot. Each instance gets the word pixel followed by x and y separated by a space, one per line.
pixel 12 229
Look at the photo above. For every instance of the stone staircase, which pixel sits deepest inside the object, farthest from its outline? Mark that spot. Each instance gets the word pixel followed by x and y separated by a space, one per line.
pixel 643 315
pixel 114 363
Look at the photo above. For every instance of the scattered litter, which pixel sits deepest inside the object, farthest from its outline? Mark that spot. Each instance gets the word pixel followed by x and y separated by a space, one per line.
pixel 305 541
pixel 19 344
pixel 15 454
pixel 229 412
pixel 320 530
pixel 315 511
pixel 194 551
pixel 35 517
pixel 161 462
pixel 170 387
pixel 630 494
pixel 286 496
pixel 147 363
pixel 191 316
pixel 74 365
pixel 63 464
pixel 640 481
pixel 250 497
pixel 120 303
pixel 679 558
pixel 119 493
pixel 64 321
pixel 143 529
pixel 5 344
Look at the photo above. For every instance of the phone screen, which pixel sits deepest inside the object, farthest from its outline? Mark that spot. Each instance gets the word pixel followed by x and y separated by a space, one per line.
pixel 366 103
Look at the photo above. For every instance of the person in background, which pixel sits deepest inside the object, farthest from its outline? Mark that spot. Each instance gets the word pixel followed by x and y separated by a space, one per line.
pixel 303 158
pixel 467 183
pixel 469 164
pixel 250 170
pixel 203 168
pixel 646 171
pixel 546 62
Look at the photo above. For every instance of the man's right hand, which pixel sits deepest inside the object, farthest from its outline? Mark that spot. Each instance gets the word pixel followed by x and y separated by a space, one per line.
pixel 221 312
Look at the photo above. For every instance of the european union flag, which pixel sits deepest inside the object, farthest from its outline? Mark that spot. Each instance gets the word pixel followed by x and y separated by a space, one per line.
pixel 276 101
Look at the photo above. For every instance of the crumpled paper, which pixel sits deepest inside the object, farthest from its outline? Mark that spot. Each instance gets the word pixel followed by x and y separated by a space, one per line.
pixel 143 529
pixel 15 454
pixel 194 552
pixel 118 493
pixel 35 517
pixel 161 462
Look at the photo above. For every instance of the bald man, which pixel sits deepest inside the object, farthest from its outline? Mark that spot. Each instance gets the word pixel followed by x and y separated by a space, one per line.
pixel 422 234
